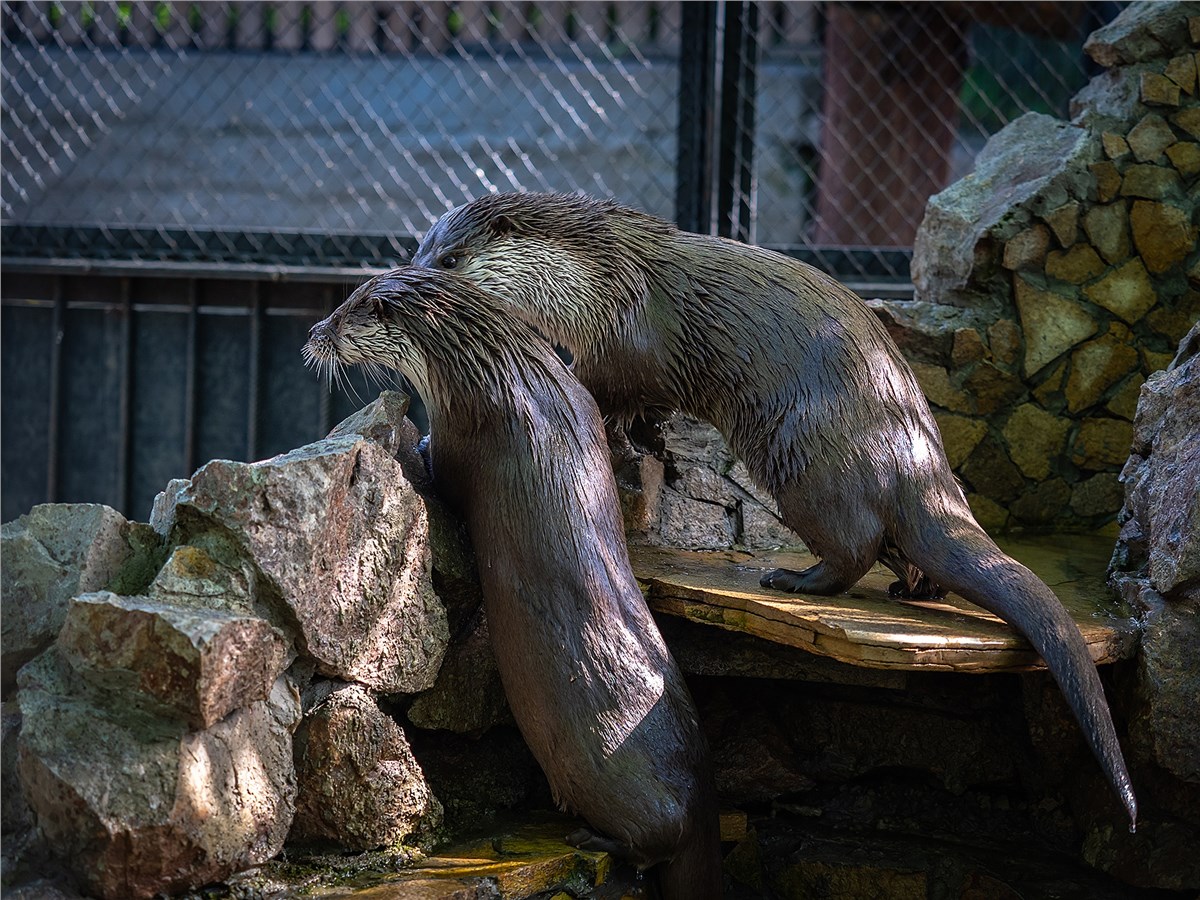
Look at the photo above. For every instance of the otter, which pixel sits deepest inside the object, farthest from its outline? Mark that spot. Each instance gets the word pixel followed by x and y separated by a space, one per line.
pixel 518 450
pixel 799 376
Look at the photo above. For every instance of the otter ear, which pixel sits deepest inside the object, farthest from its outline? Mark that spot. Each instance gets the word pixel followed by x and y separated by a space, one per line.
pixel 502 225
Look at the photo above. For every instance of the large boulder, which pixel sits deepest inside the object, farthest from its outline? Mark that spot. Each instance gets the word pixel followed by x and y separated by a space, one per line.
pixel 202 663
pixel 359 785
pixel 55 551
pixel 341 540
pixel 134 802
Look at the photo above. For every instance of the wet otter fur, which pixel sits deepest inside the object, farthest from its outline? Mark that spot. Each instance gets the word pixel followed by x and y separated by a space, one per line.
pixel 801 379
pixel 518 450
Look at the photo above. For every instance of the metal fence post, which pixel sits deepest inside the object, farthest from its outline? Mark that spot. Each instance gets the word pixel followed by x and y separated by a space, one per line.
pixel 697 115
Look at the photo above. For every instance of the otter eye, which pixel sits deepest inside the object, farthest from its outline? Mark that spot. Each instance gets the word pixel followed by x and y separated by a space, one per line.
pixel 449 261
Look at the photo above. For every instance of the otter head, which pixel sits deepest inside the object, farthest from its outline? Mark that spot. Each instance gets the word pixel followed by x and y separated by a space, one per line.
pixel 372 329
pixel 556 258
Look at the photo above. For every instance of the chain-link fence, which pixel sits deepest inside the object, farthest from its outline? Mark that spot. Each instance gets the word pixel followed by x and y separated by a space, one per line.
pixel 186 186
pixel 332 131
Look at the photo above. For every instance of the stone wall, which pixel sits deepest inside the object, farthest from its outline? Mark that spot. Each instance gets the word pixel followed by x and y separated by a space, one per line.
pixel 1058 275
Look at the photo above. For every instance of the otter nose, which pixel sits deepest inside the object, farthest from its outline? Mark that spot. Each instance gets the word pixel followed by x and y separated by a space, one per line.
pixel 320 330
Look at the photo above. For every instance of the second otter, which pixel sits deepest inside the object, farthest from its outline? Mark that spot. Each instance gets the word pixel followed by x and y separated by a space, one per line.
pixel 518 449
pixel 800 377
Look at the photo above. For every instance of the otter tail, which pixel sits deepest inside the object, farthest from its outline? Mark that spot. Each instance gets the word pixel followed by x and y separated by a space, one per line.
pixel 965 560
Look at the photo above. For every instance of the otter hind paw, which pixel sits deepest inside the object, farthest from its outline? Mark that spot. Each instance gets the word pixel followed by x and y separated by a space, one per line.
pixel 586 839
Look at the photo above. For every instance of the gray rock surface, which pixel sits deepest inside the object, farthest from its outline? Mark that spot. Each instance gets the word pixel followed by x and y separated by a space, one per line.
pixel 136 804
pixel 1142 31
pixel 55 551
pixel 341 539
pixel 359 784
pixel 204 664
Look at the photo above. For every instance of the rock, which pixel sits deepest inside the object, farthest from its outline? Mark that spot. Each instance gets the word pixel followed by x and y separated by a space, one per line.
pixel 135 804
pixel 923 331
pixel 1124 401
pixel 1101 443
pixel 960 435
pixel 991 473
pixel 1079 264
pixel 1158 90
pixel 359 785
pixel 1115 145
pixel 1064 220
pixel 1182 70
pixel 1107 227
pixel 1185 157
pixel 694 524
pixel 1163 234
pixel 1042 504
pixel 992 389
pixel 1172 319
pixel 1162 478
pixel 1126 291
pixel 1100 495
pixel 193 576
pixel 1004 338
pixel 162 511
pixel 1150 182
pixel 468 696
pixel 1150 137
pixel 1161 856
pixel 1049 392
pixel 1052 324
pixel 968 348
pixel 1026 249
pixel 15 814
pixel 342 539
pixel 1036 439
pixel 987 512
pixel 201 663
pixel 1189 120
pixel 1108 180
pixel 381 421
pixel 938 389
pixel 1032 156
pixel 1142 31
pixel 702 483
pixel 1098 365
pixel 56 551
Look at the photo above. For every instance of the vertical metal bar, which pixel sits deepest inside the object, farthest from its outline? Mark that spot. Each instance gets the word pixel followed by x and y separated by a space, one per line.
pixel 325 397
pixel 735 168
pixel 58 326
pixel 254 364
pixel 698 59
pixel 125 403
pixel 189 380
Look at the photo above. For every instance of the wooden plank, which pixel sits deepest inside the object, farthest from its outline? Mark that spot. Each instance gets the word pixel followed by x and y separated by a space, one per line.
pixel 866 627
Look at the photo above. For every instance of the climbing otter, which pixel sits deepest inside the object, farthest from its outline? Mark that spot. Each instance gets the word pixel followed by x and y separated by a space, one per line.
pixel 801 379
pixel 518 449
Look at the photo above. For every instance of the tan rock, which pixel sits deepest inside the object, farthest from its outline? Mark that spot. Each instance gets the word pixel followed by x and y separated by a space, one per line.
pixel 1098 365
pixel 1107 227
pixel 1100 495
pixel 989 471
pixel 968 347
pixel 1064 222
pixel 1150 137
pixel 960 435
pixel 1053 324
pixel 988 513
pixel 1163 234
pixel 1194 28
pixel 1102 443
pixel 991 388
pixel 1155 362
pixel 1004 338
pixel 1173 321
pixel 1182 70
pixel 1189 120
pixel 1042 503
pixel 1126 291
pixel 1124 401
pixel 1158 90
pixel 1026 248
pixel 1150 182
pixel 1079 264
pixel 1115 146
pixel 1185 156
pixel 935 382
pixel 1045 392
pixel 1108 180
pixel 1035 439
